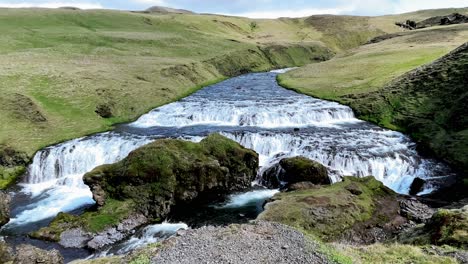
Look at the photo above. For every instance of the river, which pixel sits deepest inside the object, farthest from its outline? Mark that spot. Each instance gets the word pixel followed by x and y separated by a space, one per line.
pixel 251 109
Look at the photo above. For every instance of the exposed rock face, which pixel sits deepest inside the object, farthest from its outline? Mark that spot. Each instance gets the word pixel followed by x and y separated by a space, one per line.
pixel 415 211
pixel 294 170
pixel 27 254
pixel 116 234
pixel 451 19
pixel 445 227
pixel 4 208
pixel 449 227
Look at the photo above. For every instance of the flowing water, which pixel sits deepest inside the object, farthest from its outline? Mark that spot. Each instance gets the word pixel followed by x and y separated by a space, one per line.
pixel 251 109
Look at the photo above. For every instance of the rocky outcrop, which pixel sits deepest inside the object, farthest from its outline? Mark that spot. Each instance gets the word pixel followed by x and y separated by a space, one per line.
pixel 295 170
pixel 27 254
pixel 161 174
pixel 147 184
pixel 455 18
pixel 12 165
pixel 357 210
pixel 4 208
pixel 444 227
pixel 416 211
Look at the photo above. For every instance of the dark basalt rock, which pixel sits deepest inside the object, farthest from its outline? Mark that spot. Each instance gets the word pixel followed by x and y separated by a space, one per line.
pixel 294 170
pixel 416 186
pixel 415 211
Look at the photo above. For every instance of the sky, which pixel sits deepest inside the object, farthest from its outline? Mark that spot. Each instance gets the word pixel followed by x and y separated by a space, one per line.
pixel 255 8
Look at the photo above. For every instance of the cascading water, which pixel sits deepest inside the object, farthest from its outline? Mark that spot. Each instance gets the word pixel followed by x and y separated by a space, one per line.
pixel 251 109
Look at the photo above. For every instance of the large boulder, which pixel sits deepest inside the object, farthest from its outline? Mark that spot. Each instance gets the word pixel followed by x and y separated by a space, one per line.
pixel 4 208
pixel 450 227
pixel 166 172
pixel 295 170
pixel 416 186
pixel 27 254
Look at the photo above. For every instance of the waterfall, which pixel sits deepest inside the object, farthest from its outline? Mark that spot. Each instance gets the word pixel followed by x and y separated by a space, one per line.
pixel 251 109
pixel 55 178
pixel 392 161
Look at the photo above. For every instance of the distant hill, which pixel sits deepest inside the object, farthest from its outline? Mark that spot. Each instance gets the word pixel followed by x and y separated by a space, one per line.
pixel 167 10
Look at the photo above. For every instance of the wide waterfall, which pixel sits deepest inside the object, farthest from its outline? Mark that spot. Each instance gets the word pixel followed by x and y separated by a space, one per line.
pixel 251 109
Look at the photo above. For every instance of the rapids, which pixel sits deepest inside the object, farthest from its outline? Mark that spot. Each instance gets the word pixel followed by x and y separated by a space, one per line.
pixel 251 109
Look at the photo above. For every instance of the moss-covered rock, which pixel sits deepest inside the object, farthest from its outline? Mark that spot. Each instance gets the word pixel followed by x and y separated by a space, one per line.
pixel 295 170
pixel 357 210
pixel 12 165
pixel 449 227
pixel 446 227
pixel 166 172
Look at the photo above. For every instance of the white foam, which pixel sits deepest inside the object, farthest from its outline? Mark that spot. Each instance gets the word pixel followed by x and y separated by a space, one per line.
pixel 243 199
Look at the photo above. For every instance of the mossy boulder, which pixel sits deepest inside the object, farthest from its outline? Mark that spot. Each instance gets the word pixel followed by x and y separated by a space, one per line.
pixel 449 227
pixel 359 210
pixel 12 165
pixel 295 170
pixel 166 172
pixel 445 227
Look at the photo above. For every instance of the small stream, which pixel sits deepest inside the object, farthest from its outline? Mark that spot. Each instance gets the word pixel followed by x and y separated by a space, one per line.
pixel 251 109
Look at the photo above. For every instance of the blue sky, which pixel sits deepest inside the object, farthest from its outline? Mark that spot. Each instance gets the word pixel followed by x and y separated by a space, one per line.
pixel 255 8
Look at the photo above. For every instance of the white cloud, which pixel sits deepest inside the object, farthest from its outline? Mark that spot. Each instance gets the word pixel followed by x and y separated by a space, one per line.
pixel 291 13
pixel 414 5
pixel 52 4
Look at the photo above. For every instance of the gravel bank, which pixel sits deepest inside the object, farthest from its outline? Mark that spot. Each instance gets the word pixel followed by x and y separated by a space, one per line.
pixel 259 242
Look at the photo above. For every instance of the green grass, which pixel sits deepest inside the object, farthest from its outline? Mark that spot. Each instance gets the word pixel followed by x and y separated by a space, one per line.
pixel 388 253
pixel 337 210
pixel 369 67
pixel 8 176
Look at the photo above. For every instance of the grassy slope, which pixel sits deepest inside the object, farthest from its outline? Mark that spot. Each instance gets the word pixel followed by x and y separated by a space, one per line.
pixel 59 65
